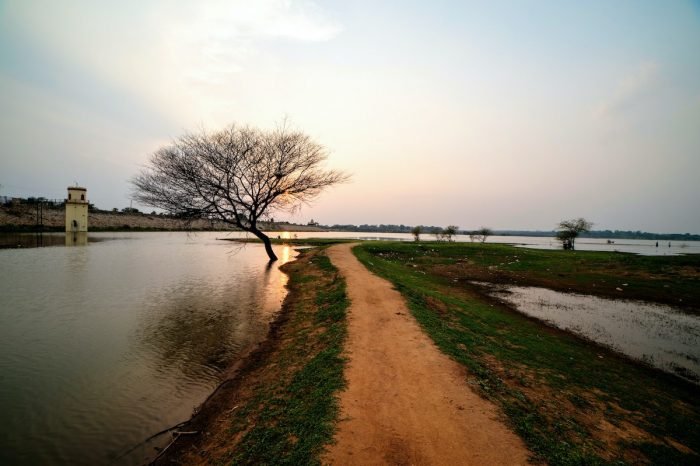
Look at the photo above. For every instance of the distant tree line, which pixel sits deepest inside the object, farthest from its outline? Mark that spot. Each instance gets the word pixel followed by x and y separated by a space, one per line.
pixel 431 230
pixel 475 235
pixel 611 234
pixel 383 228
pixel 628 234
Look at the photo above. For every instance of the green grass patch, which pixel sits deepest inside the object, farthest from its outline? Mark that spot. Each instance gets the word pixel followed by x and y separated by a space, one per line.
pixel 665 279
pixel 572 402
pixel 292 413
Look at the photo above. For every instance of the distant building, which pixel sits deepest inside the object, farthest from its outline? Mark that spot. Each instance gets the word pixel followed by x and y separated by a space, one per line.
pixel 76 209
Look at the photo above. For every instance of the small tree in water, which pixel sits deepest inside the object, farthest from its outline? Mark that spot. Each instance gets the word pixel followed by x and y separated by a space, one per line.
pixel 450 231
pixel 480 235
pixel 237 175
pixel 416 231
pixel 568 231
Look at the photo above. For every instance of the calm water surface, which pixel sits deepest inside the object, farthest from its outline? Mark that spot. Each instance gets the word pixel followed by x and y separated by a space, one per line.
pixel 634 246
pixel 662 336
pixel 103 345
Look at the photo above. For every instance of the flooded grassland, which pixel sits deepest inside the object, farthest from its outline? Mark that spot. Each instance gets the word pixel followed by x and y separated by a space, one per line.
pixel 659 335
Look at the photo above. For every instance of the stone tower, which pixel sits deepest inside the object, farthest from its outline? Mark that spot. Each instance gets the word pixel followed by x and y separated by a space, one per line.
pixel 76 210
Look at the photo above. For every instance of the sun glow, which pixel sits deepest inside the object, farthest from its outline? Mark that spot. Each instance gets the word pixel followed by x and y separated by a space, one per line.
pixel 286 253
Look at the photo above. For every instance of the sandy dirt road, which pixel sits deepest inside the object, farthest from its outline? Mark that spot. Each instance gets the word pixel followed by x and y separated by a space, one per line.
pixel 406 402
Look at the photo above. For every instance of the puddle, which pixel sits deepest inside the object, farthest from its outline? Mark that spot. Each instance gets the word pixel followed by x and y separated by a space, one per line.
pixel 660 335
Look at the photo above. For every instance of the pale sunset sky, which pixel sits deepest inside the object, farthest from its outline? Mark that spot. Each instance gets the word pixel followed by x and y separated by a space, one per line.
pixel 513 115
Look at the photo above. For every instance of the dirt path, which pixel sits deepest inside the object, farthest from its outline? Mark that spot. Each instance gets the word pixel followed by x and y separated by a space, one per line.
pixel 406 402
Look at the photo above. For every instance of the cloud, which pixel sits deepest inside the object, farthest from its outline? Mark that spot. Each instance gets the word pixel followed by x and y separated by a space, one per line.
pixel 630 91
pixel 297 20
pixel 183 58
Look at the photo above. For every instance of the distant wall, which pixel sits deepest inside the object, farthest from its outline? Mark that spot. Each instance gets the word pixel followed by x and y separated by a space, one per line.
pixel 25 216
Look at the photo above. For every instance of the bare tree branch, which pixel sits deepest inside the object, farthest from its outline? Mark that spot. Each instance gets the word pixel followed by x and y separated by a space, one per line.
pixel 238 175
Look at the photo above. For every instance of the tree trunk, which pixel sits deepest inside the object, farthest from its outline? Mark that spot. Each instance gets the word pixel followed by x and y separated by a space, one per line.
pixel 266 241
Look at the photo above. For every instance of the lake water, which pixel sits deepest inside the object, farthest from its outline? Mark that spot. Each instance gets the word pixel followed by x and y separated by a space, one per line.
pixel 105 344
pixel 645 247
pixel 634 246
pixel 659 335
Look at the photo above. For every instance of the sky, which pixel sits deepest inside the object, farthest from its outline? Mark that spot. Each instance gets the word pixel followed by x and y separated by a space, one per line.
pixel 506 114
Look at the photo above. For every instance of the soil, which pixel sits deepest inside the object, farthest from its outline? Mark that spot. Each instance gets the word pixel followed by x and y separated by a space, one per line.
pixel 406 402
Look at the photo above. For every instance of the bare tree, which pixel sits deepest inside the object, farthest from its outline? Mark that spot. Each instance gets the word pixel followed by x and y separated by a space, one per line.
pixel 449 232
pixel 416 231
pixel 439 233
pixel 237 175
pixel 480 235
pixel 568 231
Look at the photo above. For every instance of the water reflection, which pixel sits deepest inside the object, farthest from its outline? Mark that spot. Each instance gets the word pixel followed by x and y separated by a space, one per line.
pixel 286 250
pixel 104 345
pixel 645 247
pixel 660 335
pixel 47 239
pixel 76 238
pixel 197 328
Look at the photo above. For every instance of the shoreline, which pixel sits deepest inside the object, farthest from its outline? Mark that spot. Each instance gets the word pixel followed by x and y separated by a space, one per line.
pixel 293 372
pixel 211 434
pixel 232 379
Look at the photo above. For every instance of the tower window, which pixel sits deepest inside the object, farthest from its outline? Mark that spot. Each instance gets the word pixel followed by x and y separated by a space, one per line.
pixel 82 197
pixel 69 196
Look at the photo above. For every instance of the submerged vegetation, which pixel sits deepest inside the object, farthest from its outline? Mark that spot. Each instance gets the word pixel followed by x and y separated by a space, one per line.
pixel 571 401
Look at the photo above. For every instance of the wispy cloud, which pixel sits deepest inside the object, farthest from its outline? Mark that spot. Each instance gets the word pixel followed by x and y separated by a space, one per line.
pixel 177 55
pixel 297 20
pixel 630 91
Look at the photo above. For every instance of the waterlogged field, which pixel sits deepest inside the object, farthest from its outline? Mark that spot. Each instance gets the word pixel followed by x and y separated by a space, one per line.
pixel 659 335
pixel 573 402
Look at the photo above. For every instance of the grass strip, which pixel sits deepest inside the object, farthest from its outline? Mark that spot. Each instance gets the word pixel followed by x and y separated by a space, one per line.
pixel 292 416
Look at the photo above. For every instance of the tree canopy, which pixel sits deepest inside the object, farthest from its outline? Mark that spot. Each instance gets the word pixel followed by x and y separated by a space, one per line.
pixel 568 231
pixel 481 234
pixel 238 175
pixel 450 231
pixel 416 231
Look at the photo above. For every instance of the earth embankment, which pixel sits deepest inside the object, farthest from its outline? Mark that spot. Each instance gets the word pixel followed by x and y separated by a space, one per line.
pixel 406 402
